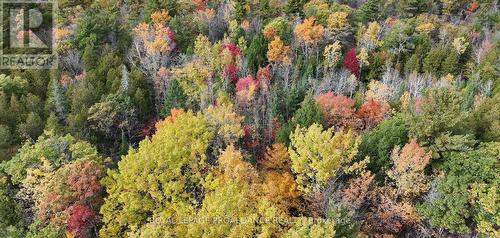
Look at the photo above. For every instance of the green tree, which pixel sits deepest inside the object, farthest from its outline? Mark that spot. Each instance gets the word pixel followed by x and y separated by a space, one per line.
pixel 295 7
pixel 13 85
pixel 175 98
pixel 308 114
pixel 378 143
pixel 411 8
pixel 256 52
pixel 106 77
pixel 423 46
pixel 56 100
pixel 440 111
pixel 485 121
pixel 186 29
pixel 450 64
pixel 10 211
pixel 240 10
pixel 369 11
pixel 488 69
pixel 441 61
pixel 32 127
pixel 5 141
pixel 57 150
pixel 413 64
pixel 450 206
pixel 81 97
pixel 53 125
pixel 433 60
pixel 113 116
pixel 348 227
pixel 305 227
pixel 139 91
pixel 155 5
pixel 38 230
pixel 89 57
pixel 12 232
pixel 95 27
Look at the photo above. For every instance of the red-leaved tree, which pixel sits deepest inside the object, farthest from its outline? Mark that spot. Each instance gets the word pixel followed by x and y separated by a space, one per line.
pixel 372 113
pixel 351 62
pixel 81 220
pixel 231 72
pixel 338 110
pixel 245 89
pixel 84 180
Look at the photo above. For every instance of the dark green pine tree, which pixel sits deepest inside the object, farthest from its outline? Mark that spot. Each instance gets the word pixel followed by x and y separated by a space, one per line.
pixel 265 11
pixel 53 125
pixel 5 142
pixel 378 144
pixel 89 58
pixel 369 11
pixel 450 64
pixel 410 8
pixel 176 98
pixel 138 89
pixel 308 114
pixel 256 53
pixel 295 7
pixel 124 145
pixel 32 127
pixel 433 60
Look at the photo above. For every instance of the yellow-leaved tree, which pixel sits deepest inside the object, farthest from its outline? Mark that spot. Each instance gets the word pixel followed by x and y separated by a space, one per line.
pixel 314 228
pixel 309 32
pixel 317 155
pixel 159 184
pixel 192 77
pixel 278 52
pixel 226 124
pixel 279 185
pixel 232 207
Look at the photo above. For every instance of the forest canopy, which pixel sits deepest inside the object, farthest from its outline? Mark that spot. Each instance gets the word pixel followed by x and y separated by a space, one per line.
pixel 265 118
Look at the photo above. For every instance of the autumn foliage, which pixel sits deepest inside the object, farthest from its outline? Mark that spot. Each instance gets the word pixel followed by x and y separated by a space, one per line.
pixel 278 51
pixel 266 119
pixel 351 62
pixel 246 89
pixel 309 32
pixel 372 113
pixel 408 170
pixel 81 220
pixel 339 110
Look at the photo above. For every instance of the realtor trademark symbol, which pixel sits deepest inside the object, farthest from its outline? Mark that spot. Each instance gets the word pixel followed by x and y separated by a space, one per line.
pixel 27 34
pixel 19 35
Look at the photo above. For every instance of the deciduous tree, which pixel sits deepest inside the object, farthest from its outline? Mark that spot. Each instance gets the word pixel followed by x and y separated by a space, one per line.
pixel 317 156
pixel 351 62
pixel 408 170
pixel 161 180
pixel 372 113
pixel 278 52
pixel 309 32
pixel 338 110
